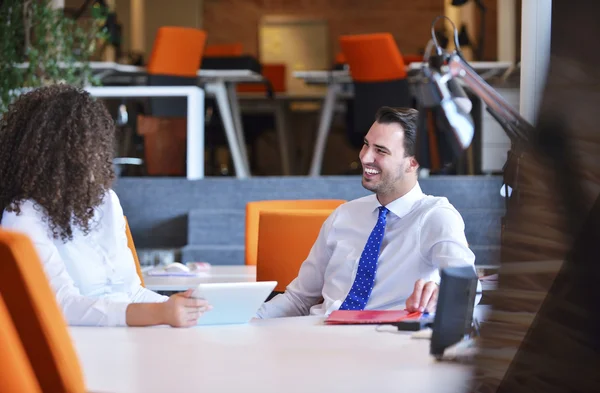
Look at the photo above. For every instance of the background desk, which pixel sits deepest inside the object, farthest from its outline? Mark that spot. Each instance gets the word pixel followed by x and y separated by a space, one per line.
pixel 217 274
pixel 280 355
pixel 218 83
pixel 195 118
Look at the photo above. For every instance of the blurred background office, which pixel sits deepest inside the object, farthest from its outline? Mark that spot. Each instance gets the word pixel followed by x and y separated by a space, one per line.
pixel 282 118
pixel 281 94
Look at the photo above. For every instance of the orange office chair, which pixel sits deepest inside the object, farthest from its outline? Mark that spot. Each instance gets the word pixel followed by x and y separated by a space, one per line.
pixel 177 51
pixel 37 317
pixel 254 208
pixel 273 72
pixel 131 246
pixel 16 373
pixel 174 61
pixel 284 241
pixel 380 79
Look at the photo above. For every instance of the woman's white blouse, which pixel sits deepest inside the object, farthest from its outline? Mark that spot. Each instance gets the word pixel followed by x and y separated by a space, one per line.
pixel 94 276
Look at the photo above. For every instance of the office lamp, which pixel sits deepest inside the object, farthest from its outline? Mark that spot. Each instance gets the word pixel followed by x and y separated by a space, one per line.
pixel 440 87
pixel 549 140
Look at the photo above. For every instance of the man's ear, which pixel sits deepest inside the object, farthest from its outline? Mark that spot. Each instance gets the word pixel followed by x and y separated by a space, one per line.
pixel 413 165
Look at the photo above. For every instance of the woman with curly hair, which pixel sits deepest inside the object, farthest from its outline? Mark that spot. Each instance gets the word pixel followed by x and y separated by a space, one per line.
pixel 56 146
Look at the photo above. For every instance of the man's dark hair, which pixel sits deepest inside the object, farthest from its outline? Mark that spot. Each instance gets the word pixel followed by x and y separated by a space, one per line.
pixel 56 148
pixel 407 118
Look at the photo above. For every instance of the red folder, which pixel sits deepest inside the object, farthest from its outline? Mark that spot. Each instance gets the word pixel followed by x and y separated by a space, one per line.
pixel 348 317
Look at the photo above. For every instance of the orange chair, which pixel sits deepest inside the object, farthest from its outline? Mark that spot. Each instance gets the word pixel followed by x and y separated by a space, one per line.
pixel 373 57
pixel 177 51
pixel 131 246
pixel 37 317
pixel 284 241
pixel 221 50
pixel 174 61
pixel 16 373
pixel 254 208
pixel 274 73
pixel 379 75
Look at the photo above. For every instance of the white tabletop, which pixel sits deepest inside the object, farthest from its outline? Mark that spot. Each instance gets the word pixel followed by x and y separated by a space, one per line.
pixel 343 76
pixel 205 75
pixel 324 76
pixel 216 274
pixel 282 355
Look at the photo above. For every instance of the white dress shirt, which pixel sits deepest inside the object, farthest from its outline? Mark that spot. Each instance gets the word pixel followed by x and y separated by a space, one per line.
pixel 423 234
pixel 94 276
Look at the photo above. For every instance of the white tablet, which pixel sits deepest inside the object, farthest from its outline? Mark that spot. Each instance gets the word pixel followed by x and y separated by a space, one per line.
pixel 233 303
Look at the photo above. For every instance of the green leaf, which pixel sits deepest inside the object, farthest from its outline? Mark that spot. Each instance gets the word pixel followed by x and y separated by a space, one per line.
pixel 53 38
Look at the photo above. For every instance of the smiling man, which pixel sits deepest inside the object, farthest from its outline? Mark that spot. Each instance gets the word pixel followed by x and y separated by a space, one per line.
pixel 383 251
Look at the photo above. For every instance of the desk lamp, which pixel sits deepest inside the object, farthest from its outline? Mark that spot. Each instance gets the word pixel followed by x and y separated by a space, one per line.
pixel 440 87
pixel 549 141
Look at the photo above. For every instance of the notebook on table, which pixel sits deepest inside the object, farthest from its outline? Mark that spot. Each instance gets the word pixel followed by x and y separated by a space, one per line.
pixel 351 317
pixel 402 319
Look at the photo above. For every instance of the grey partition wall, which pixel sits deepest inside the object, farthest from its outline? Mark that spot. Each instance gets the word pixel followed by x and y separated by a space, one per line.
pixel 205 219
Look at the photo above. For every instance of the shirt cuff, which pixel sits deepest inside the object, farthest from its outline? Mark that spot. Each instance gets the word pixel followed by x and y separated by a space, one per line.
pixel 117 314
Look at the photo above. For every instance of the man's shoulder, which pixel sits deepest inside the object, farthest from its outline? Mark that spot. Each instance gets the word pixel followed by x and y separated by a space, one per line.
pixel 438 208
pixel 432 201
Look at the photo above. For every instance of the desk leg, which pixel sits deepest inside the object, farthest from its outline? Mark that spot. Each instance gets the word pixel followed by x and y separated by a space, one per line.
pixel 195 135
pixel 324 126
pixel 283 136
pixel 237 120
pixel 220 93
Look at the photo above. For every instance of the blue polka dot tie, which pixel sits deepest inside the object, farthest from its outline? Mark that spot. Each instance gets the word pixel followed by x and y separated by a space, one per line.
pixel 365 276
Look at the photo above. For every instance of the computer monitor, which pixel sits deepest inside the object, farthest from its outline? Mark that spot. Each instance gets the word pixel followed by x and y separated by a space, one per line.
pixel 454 311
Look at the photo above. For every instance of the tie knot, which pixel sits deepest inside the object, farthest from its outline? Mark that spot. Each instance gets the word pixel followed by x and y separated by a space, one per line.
pixel 383 211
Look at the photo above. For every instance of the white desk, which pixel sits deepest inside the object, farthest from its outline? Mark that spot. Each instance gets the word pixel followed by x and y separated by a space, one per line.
pixel 281 355
pixel 195 118
pixel 220 83
pixel 217 274
pixel 336 79
pixel 324 77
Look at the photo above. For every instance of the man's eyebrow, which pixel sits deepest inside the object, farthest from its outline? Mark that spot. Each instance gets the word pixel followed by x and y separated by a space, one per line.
pixel 382 148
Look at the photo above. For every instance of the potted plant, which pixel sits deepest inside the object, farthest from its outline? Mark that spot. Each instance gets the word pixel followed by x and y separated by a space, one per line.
pixel 40 45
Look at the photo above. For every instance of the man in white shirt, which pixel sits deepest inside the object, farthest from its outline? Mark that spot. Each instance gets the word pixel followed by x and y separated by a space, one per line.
pixel 382 251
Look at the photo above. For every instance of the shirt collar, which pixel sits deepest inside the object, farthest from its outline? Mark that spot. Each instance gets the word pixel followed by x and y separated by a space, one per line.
pixel 403 205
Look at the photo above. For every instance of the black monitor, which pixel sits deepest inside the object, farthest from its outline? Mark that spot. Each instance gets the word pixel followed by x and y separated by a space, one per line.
pixel 454 311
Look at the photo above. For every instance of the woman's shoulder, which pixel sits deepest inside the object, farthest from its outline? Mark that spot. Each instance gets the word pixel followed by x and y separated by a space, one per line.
pixel 112 202
pixel 29 219
pixel 28 210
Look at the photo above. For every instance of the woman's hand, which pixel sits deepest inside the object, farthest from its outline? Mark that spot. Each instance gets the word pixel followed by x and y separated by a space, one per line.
pixel 182 310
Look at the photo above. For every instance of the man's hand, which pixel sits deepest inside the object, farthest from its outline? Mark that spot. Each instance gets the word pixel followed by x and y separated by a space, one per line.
pixel 424 297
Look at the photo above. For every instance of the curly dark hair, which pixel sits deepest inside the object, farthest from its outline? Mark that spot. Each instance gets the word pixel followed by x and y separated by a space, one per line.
pixel 56 149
